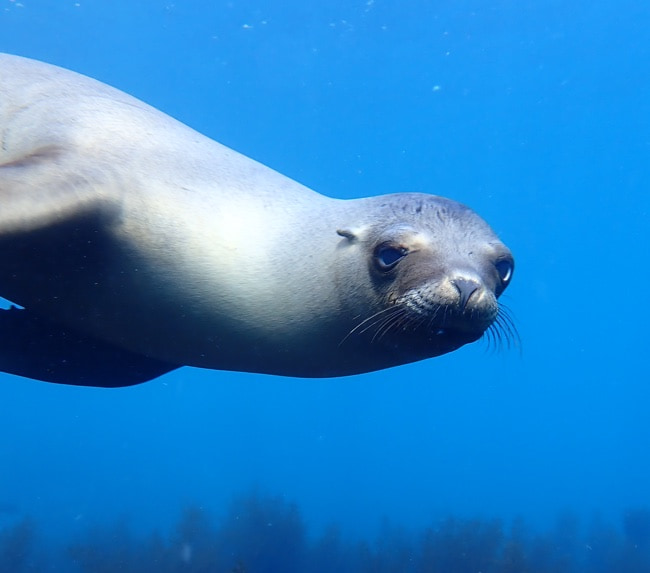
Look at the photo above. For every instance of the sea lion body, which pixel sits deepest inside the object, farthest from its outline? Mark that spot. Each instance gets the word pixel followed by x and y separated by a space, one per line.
pixel 137 245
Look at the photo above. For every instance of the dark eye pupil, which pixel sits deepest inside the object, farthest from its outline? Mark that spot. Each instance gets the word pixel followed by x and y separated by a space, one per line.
pixel 504 268
pixel 388 256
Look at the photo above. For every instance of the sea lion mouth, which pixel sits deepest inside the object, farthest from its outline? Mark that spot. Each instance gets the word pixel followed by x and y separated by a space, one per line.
pixel 463 337
pixel 432 340
pixel 413 337
pixel 400 331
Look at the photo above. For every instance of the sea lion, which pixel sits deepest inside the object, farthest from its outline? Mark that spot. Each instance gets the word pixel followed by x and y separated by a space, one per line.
pixel 136 245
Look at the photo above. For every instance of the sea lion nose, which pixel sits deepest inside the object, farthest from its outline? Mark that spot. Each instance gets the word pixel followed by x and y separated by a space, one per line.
pixel 466 288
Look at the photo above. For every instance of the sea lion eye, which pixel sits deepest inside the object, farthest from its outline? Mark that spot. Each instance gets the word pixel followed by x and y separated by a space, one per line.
pixel 387 256
pixel 504 268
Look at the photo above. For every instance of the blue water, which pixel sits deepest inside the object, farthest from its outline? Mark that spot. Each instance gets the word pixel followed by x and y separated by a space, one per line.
pixel 536 114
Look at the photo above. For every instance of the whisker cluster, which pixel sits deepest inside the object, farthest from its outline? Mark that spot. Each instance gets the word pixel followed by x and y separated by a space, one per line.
pixel 502 331
pixel 383 321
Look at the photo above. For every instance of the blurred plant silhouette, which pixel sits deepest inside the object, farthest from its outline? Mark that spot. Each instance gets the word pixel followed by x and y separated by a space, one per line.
pixel 265 534
pixel 18 547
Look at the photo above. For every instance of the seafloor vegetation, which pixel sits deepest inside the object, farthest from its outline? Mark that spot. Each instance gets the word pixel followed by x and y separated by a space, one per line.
pixel 262 534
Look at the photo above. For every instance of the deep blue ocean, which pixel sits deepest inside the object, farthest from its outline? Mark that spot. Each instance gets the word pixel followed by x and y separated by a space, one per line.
pixel 535 458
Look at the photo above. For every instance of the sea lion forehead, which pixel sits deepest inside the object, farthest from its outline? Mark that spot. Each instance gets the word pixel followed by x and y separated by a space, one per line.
pixel 415 207
pixel 415 219
pixel 424 214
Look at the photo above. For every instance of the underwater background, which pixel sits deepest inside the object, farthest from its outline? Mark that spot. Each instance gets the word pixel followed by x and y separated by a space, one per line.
pixel 536 458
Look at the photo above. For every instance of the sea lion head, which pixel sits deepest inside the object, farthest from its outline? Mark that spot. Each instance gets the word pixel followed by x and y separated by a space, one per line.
pixel 436 270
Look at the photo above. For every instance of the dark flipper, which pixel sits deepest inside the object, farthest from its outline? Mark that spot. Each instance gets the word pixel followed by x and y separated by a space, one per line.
pixel 35 347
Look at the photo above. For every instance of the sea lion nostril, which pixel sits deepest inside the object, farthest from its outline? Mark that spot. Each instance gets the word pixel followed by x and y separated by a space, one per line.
pixel 466 288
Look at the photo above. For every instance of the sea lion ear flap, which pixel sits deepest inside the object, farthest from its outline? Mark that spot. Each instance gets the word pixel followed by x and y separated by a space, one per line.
pixel 347 233
pixel 351 234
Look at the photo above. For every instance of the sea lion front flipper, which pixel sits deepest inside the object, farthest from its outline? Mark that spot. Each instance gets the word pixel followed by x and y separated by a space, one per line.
pixel 35 347
pixel 46 187
pixel 54 163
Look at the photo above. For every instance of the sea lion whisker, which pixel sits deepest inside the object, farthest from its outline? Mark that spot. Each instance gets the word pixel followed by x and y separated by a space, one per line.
pixel 369 322
pixel 502 331
pixel 394 321
pixel 385 323
pixel 376 319
pixel 493 337
pixel 507 324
